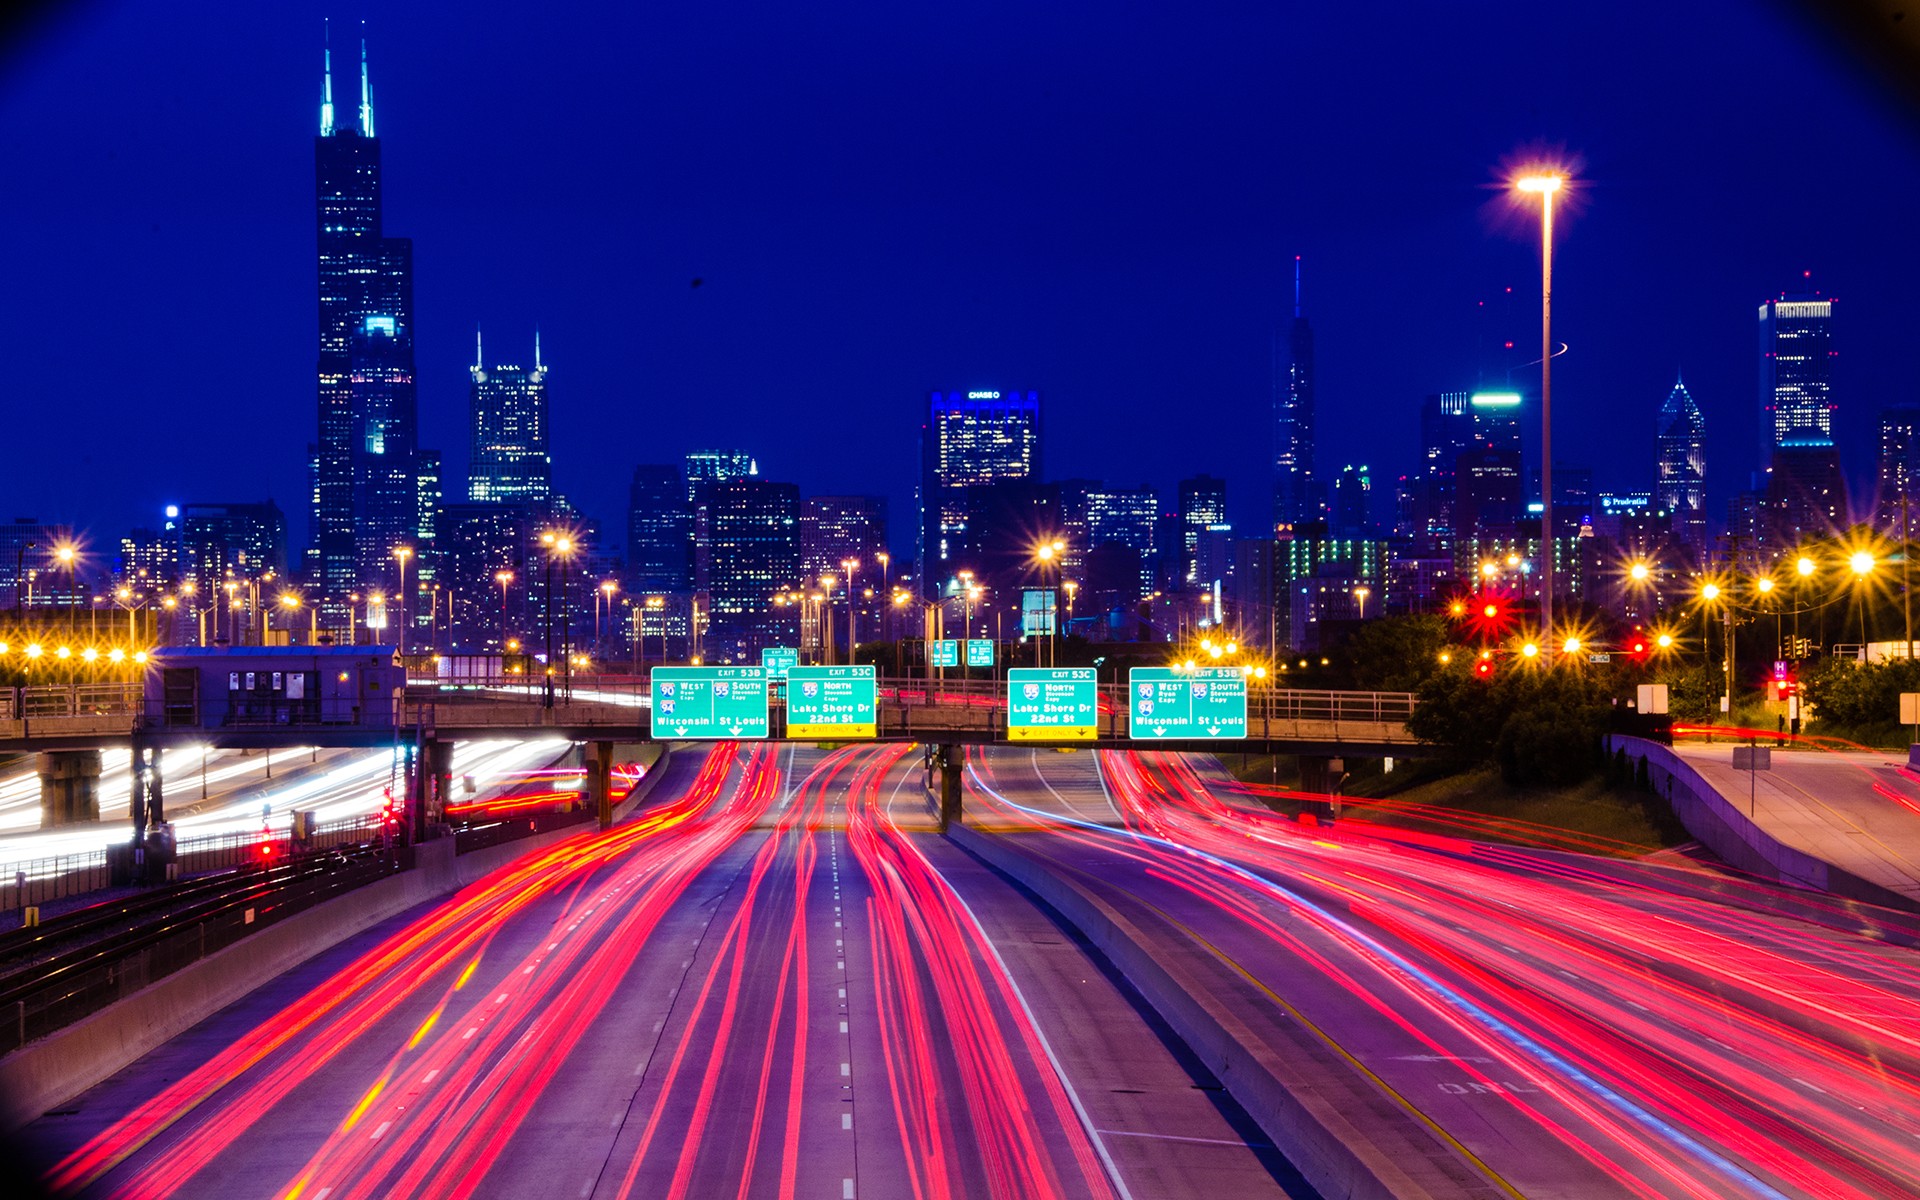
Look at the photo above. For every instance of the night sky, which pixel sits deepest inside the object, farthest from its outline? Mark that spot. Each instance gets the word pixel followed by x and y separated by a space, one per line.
pixel 1098 200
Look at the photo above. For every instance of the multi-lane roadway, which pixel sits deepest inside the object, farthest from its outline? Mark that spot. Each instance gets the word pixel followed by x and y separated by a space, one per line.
pixel 778 980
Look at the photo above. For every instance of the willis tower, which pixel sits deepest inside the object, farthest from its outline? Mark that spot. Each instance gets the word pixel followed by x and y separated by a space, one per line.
pixel 366 464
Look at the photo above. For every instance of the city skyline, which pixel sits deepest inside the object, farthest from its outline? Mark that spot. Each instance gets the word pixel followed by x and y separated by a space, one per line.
pixel 1216 360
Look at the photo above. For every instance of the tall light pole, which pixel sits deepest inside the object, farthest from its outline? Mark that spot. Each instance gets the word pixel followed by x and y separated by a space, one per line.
pixel 560 546
pixel 853 604
pixel 403 553
pixel 607 588
pixel 503 578
pixel 1862 563
pixel 69 558
pixel 1545 185
pixel 823 619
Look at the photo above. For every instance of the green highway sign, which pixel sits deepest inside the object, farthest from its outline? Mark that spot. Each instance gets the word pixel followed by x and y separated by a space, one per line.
pixel 709 702
pixel 1207 702
pixel 778 660
pixel 943 652
pixel 1052 704
pixel 831 703
pixel 979 652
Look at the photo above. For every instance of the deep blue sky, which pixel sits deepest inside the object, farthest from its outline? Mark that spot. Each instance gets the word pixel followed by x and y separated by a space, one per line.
pixel 1098 200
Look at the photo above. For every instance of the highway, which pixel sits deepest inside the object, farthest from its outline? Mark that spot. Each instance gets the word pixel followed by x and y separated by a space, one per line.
pixel 777 980
pixel 773 981
pixel 1568 1026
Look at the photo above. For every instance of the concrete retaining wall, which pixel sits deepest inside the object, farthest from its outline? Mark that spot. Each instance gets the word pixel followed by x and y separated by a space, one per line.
pixel 47 1073
pixel 1294 1100
pixel 1722 827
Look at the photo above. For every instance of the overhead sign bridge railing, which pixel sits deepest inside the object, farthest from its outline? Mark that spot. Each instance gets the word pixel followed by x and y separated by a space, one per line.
pixel 1041 705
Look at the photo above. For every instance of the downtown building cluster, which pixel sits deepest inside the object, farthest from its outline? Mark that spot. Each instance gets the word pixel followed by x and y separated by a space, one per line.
pixel 720 562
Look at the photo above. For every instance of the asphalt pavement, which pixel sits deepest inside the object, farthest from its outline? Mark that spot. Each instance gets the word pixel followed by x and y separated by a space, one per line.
pixel 1567 1029
pixel 774 980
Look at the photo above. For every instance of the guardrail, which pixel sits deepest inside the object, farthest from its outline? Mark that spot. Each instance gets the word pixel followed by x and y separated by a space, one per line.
pixel 44 880
pixel 54 993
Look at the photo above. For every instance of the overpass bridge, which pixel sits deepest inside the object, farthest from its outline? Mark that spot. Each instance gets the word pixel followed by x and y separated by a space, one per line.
pixel 597 708
pixel 69 724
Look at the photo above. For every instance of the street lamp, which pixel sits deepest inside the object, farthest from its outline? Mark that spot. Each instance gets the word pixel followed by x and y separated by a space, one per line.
pixel 607 588
pixel 1360 594
pixel 125 598
pixel 851 565
pixel 1862 564
pixel 560 546
pixel 1049 554
pixel 292 602
pixel 1546 185
pixel 503 578
pixel 403 553
pixel 69 557
pixel 1764 587
pixel 823 618
pixel 1710 595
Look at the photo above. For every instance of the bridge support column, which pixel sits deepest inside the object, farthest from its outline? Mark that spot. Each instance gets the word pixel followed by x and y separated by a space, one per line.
pixel 1320 775
pixel 137 792
pixel 949 760
pixel 600 781
pixel 429 776
pixel 437 765
pixel 69 787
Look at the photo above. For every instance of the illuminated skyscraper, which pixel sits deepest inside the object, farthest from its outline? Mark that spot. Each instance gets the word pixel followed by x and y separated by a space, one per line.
pixel 1806 493
pixel 1796 374
pixel 1899 469
pixel 754 526
pixel 1350 512
pixel 510 463
pixel 1294 498
pixel 969 439
pixel 365 491
pixel 1680 470
pixel 836 528
pixel 659 531
pixel 1126 518
pixel 704 468
pixel 1203 505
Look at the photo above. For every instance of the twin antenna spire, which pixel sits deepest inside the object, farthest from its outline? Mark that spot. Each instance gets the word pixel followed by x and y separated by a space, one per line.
pixel 480 363
pixel 326 86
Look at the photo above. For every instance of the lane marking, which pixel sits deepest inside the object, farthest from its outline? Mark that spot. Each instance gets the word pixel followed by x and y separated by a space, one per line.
pixel 846 1189
pixel 1198 1141
pixel 384 1126
pixel 846 1120
pixel 846 1069
pixel 843 1027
